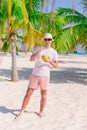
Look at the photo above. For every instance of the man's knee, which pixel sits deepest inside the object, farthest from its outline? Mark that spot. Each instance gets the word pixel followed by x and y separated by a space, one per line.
pixel 29 92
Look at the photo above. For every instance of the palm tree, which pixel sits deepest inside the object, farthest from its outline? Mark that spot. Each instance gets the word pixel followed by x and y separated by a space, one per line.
pixel 70 36
pixel 16 17
pixel 12 20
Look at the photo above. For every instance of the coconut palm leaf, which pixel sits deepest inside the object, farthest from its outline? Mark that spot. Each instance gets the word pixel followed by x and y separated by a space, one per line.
pixel 84 2
pixel 75 31
pixel 32 37
pixel 66 13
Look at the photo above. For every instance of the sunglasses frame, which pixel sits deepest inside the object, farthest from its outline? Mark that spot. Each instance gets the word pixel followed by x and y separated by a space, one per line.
pixel 47 39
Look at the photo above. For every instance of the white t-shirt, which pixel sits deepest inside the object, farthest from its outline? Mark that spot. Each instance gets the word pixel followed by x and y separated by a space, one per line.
pixel 42 68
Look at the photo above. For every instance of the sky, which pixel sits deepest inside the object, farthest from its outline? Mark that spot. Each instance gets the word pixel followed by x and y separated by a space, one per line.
pixel 68 3
pixel 64 4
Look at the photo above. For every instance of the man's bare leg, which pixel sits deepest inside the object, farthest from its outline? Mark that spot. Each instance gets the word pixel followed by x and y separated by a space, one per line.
pixel 42 102
pixel 25 101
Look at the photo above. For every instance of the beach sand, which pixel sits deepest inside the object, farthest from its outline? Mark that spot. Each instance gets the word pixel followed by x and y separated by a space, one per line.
pixel 66 107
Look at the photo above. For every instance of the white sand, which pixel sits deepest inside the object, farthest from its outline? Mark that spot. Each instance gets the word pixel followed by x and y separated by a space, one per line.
pixel 66 107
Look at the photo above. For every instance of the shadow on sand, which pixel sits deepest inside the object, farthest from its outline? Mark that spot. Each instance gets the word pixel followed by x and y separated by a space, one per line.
pixel 23 73
pixel 66 75
pixel 5 110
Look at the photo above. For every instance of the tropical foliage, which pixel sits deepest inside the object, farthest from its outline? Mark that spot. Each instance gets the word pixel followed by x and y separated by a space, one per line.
pixel 73 31
pixel 15 17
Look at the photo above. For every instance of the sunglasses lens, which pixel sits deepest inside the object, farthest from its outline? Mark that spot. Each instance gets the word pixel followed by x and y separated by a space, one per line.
pixel 48 39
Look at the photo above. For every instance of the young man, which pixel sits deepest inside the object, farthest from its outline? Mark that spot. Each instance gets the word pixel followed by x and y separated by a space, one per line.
pixel 40 75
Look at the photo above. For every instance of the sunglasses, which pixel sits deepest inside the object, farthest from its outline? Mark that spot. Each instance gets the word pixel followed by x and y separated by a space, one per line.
pixel 49 39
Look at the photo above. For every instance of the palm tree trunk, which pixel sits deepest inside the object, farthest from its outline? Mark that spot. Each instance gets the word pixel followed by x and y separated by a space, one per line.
pixel 53 5
pixel 47 5
pixel 14 75
pixel 42 5
pixel 30 4
pixel 73 9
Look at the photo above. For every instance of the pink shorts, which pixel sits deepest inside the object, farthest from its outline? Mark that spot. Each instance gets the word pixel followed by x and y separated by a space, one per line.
pixel 36 82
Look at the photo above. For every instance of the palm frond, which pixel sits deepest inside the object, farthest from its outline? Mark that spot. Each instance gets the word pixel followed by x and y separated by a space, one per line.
pixel 32 37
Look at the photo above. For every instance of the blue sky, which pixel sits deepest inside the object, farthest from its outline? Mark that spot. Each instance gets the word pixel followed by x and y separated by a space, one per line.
pixel 68 3
pixel 65 4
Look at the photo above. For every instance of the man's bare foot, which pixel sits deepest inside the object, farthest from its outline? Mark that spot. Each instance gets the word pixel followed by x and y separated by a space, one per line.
pixel 41 114
pixel 19 115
